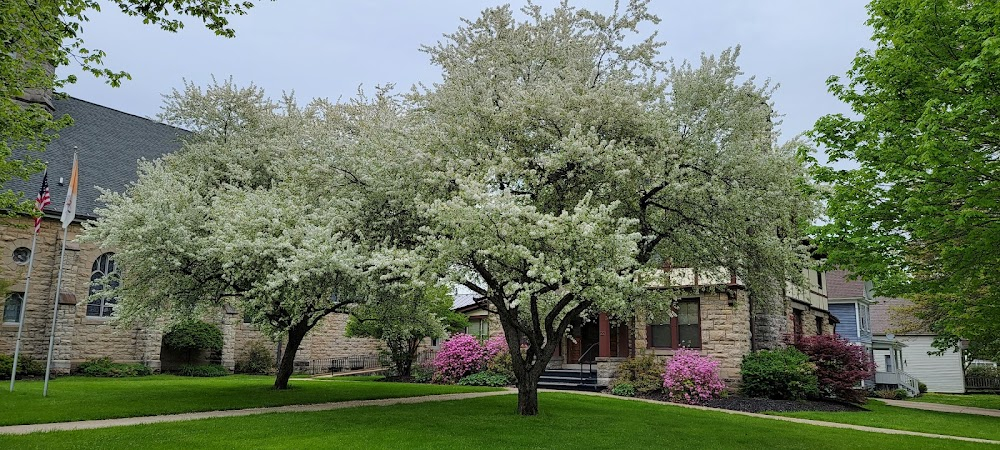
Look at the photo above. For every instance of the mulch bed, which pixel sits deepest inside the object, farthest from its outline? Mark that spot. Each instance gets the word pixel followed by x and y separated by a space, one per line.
pixel 759 405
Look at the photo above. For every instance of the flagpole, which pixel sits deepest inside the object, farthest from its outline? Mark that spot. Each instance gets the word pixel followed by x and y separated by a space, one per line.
pixel 24 304
pixel 68 214
pixel 55 315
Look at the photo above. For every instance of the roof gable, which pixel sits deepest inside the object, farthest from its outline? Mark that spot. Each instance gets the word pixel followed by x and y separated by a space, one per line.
pixel 110 144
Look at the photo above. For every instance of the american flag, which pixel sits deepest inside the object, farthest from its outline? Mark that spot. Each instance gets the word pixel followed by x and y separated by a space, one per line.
pixel 43 200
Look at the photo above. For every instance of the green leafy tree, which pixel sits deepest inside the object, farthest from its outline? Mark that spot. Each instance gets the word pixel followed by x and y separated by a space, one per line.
pixel 571 165
pixel 261 215
pixel 40 35
pixel 402 317
pixel 191 337
pixel 919 212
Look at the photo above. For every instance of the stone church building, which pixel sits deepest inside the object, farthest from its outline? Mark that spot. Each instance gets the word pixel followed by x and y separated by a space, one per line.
pixel 109 143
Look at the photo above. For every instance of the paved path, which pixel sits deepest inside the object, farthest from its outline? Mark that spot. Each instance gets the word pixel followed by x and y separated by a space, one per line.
pixel 794 419
pixel 942 407
pixel 104 423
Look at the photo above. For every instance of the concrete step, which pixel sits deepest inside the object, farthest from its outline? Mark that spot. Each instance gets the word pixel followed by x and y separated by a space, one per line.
pixel 564 379
pixel 570 386
pixel 570 373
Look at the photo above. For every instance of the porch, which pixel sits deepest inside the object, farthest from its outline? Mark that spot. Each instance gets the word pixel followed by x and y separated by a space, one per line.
pixel 592 350
pixel 889 370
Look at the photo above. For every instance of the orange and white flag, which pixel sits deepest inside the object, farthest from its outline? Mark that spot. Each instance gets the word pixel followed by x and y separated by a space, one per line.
pixel 69 208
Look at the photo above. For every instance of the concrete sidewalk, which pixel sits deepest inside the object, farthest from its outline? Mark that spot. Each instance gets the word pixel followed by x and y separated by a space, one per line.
pixel 104 423
pixel 940 407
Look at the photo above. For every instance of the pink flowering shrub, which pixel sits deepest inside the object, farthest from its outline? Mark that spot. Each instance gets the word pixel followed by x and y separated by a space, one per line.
pixel 692 378
pixel 459 356
pixel 496 345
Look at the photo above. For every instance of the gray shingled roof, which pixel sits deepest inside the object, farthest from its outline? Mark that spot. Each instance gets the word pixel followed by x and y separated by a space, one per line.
pixel 110 144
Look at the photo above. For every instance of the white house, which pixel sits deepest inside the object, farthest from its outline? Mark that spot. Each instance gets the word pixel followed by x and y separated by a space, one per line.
pixel 941 373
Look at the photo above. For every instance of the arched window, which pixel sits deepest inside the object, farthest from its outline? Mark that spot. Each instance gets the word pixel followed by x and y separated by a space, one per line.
pixel 101 307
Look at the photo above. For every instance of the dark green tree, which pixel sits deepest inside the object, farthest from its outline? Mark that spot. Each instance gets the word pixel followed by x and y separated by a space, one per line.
pixel 919 212
pixel 402 317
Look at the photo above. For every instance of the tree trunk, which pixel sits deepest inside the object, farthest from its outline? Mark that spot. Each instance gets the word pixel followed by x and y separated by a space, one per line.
pixel 411 355
pixel 527 395
pixel 287 366
pixel 527 374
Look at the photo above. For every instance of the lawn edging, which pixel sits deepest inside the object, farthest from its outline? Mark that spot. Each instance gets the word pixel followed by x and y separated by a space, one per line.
pixel 144 420
pixel 791 419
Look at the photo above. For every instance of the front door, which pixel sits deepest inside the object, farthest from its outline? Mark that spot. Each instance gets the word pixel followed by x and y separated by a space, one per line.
pixel 590 339
pixel 586 338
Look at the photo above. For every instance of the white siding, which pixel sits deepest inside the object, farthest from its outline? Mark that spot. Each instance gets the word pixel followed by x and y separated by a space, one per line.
pixel 940 373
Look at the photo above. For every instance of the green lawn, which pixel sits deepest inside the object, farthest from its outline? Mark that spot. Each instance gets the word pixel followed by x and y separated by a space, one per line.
pixel 566 421
pixel 989 401
pixel 884 416
pixel 82 398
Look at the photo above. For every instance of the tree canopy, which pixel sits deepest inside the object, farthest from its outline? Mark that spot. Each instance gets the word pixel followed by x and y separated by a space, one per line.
pixel 262 215
pixel 555 170
pixel 40 35
pixel 919 212
pixel 577 164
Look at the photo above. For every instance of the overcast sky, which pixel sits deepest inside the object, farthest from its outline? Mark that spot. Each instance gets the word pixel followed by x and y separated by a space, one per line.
pixel 327 48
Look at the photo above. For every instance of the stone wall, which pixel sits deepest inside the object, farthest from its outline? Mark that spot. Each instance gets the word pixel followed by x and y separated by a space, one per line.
pixel 725 332
pixel 79 337
pixel 771 322
pixel 809 327
pixel 326 341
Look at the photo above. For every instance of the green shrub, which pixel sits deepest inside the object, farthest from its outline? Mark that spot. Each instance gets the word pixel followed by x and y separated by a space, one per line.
pixel 623 390
pixel 201 370
pixel 983 371
pixel 643 372
pixel 485 379
pixel 193 336
pixel 501 363
pixel 892 394
pixel 423 372
pixel 784 374
pixel 921 387
pixel 255 359
pixel 105 367
pixel 25 366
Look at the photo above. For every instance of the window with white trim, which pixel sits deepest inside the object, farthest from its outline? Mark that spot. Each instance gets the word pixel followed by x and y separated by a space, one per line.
pixel 864 319
pixel 478 327
pixel 103 266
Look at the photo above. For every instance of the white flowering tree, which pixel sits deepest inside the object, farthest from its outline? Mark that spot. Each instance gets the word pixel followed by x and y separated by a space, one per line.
pixel 260 209
pixel 568 161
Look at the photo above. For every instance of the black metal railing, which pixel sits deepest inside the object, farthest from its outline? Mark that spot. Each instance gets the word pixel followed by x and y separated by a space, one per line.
pixel 425 357
pixel 357 362
pixel 348 364
pixel 590 364
pixel 978 383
